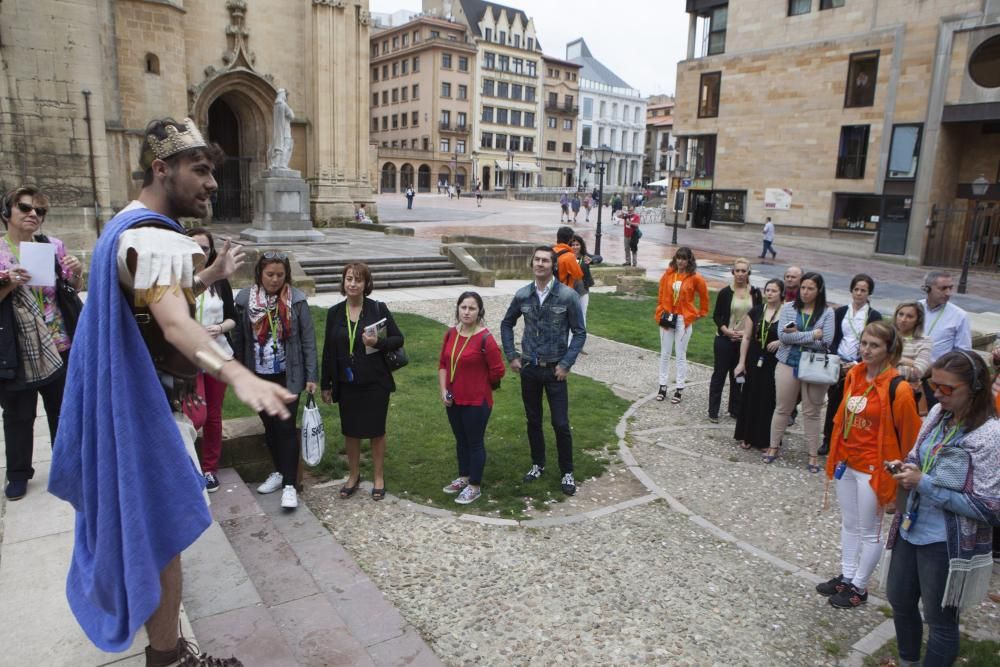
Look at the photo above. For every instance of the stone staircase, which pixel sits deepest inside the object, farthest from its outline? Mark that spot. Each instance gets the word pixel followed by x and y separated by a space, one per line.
pixel 274 588
pixel 387 272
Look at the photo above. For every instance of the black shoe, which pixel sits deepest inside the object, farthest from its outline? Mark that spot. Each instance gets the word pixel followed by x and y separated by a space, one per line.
pixel 16 489
pixel 533 474
pixel 824 449
pixel 662 393
pixel 568 484
pixel 714 419
pixel 832 587
pixel 676 398
pixel 849 598
pixel 211 482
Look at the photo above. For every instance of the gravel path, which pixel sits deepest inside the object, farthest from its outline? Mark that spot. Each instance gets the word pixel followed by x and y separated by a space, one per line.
pixel 643 585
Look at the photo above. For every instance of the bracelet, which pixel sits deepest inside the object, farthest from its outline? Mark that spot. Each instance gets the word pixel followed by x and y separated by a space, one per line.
pixel 212 358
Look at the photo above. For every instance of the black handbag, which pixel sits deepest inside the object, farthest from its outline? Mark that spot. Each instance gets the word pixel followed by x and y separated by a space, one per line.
pixel 67 299
pixel 668 320
pixel 396 359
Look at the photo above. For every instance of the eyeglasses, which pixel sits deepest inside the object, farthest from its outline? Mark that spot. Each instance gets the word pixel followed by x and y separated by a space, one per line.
pixel 40 211
pixel 945 389
pixel 274 254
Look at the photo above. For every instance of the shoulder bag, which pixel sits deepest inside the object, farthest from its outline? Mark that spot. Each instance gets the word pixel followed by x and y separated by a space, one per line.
pixel 394 359
pixel 819 367
pixel 67 299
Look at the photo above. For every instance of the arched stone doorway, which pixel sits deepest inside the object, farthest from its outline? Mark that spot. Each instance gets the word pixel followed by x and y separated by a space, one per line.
pixel 406 177
pixel 424 178
pixel 486 182
pixel 232 201
pixel 444 177
pixel 388 183
pixel 461 177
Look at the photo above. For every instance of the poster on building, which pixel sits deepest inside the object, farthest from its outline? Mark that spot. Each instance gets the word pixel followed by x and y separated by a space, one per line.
pixel 779 199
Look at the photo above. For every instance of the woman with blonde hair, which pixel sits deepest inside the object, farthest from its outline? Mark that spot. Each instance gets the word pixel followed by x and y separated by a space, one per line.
pixel 916 360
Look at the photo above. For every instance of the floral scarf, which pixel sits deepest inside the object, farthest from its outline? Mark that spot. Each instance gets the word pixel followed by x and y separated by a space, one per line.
pixel 279 306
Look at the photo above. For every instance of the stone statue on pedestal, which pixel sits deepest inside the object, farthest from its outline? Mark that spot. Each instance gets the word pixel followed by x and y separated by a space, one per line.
pixel 281 132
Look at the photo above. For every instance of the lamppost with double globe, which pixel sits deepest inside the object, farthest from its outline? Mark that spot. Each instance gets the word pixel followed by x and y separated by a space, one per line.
pixel 602 154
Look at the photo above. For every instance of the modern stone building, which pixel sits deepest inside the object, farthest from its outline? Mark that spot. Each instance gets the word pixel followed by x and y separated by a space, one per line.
pixel 611 112
pixel 422 85
pixel 561 99
pixel 860 119
pixel 83 77
pixel 660 150
pixel 507 84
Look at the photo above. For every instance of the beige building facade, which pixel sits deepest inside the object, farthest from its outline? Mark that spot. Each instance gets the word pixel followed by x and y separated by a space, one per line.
pixel 862 119
pixel 561 100
pixel 84 78
pixel 421 104
pixel 660 151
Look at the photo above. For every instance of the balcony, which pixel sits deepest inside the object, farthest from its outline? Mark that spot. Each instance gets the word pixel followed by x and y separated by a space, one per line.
pixel 453 129
pixel 570 109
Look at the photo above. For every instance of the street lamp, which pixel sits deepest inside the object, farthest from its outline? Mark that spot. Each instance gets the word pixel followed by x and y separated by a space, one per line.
pixel 979 188
pixel 679 175
pixel 602 154
pixel 510 171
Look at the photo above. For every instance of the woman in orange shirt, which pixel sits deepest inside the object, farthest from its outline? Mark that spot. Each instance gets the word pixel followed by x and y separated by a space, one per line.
pixel 877 421
pixel 676 315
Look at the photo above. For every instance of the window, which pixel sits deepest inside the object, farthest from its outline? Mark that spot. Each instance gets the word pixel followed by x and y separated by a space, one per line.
pixel 445 89
pixel 853 151
pixel 567 123
pixel 403 142
pixel 517 65
pixel 830 4
pixel 551 122
pixel 717 30
pixel 489 61
pixel 435 34
pixel 463 64
pixel 395 70
pixel 517 41
pixel 406 39
pixel 728 205
pixel 445 146
pixel 703 153
pixel 531 44
pixel 984 63
pixel 708 95
pixel 462 119
pixel 501 142
pixel 403 119
pixel 529 145
pixel 385 72
pixel 503 63
pixel 567 147
pixel 374 124
pixel 416 91
pixel 488 87
pixel 614 138
pixel 460 145
pixel 515 143
pixel 586 135
pixel 503 37
pixel 425 143
pixel 515 117
pixel 385 46
pixel 588 108
pixel 603 109
pixel 550 146
pixel 405 66
pixel 488 34
pixel 374 73
pixel 395 43
pixel 416 64
pixel 516 91
pixel 487 114
pixel 375 51
pixel 600 136
pixel 415 118
pixel 404 93
pixel 904 152
pixel 796 7
pixel 635 119
pixel 503 90
pixel 463 91
pixel 445 118
pixel 385 97
pixel 635 143
pixel 487 140
pixel 553 100
pixel 614 111
pixel 501 116
pixel 446 60
pixel 395 143
pixel 395 121
pixel 395 95
pixel 625 113
pixel 861 74
pixel 530 68
pixel 855 211
pixel 374 99
pixel 529 119
pixel 529 93
pixel 416 36
pixel 568 101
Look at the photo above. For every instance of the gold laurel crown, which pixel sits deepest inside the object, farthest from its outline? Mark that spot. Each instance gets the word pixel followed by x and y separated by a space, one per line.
pixel 175 142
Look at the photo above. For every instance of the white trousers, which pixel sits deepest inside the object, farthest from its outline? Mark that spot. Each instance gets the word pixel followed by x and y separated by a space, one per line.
pixel 859 532
pixel 675 340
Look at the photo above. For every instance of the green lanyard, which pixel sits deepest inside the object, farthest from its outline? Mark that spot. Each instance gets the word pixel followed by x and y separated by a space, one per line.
pixel 803 325
pixel 270 322
pixel 37 291
pixel 850 416
pixel 934 323
pixel 850 323
pixel 931 456
pixel 765 326
pixel 454 359
pixel 351 331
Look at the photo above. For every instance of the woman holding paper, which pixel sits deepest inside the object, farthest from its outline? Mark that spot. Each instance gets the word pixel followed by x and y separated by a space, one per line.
pixel 359 331
pixel 35 340
pixel 274 337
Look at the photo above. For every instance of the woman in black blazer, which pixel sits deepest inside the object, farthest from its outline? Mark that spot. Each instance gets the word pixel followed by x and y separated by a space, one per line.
pixel 732 304
pixel 848 323
pixel 355 374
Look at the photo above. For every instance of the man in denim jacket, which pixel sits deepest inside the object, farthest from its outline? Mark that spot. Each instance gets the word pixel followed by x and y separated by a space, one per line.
pixel 551 311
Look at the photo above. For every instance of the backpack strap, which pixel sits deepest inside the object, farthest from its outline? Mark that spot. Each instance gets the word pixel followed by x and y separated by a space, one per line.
pixel 893 384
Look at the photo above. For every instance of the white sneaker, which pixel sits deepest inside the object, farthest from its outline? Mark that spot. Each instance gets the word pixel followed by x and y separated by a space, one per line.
pixel 289 498
pixel 271 484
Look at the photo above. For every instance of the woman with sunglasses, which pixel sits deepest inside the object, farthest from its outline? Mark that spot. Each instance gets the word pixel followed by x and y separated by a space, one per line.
pixel 941 540
pixel 356 376
pixel 876 421
pixel 36 339
pixel 804 324
pixel 756 366
pixel 274 338
pixel 215 310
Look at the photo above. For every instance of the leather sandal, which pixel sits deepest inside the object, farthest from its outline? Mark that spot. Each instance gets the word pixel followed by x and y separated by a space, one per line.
pixel 348 491
pixel 378 494
pixel 662 393
pixel 770 458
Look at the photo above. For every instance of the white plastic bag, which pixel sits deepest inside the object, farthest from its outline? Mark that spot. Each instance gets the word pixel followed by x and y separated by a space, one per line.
pixel 313 436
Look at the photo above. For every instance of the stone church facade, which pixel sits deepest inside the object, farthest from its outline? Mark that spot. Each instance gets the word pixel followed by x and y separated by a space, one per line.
pixel 81 78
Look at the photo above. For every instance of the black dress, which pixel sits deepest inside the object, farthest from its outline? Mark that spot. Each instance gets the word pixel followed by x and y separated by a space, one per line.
pixel 757 405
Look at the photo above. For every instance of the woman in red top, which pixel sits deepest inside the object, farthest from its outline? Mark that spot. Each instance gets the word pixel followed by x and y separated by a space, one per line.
pixel 676 315
pixel 874 423
pixel 471 367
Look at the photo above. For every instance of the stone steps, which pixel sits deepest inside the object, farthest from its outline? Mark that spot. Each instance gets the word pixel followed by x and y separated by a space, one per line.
pixel 387 272
pixel 275 588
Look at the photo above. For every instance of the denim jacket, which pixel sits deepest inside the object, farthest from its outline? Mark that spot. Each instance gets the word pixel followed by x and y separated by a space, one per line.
pixel 546 326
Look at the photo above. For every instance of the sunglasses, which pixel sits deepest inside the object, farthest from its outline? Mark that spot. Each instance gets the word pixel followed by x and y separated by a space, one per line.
pixel 40 211
pixel 274 254
pixel 945 389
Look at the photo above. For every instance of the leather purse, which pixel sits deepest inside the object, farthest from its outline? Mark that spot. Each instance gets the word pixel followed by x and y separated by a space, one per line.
pixel 819 367
pixel 396 359
pixel 668 320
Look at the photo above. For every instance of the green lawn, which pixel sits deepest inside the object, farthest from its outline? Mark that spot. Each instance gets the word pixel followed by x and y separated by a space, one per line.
pixel 420 455
pixel 629 319
pixel 972 652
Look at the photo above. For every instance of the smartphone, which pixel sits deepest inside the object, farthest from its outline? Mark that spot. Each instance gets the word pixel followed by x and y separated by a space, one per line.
pixel 894 468
pixel 789 326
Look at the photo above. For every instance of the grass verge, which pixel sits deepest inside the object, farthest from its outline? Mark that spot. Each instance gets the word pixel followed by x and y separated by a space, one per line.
pixel 972 652
pixel 420 456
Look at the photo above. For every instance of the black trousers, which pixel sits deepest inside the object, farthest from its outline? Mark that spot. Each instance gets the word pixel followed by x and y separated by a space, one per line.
pixel 534 381
pixel 19 411
pixel 834 395
pixel 727 356
pixel 282 437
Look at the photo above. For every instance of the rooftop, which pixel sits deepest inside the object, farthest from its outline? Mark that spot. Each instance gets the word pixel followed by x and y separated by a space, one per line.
pixel 591 68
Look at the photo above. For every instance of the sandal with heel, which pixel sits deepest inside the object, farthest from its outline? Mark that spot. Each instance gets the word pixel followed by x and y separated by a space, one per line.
pixel 348 491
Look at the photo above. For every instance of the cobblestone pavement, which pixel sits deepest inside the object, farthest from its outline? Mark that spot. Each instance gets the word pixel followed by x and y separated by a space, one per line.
pixel 710 561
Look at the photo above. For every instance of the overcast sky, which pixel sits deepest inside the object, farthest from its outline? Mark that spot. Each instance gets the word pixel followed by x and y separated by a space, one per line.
pixel 639 40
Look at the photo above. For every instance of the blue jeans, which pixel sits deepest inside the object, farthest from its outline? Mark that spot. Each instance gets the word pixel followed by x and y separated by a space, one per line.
pixel 535 380
pixel 919 572
pixel 768 249
pixel 468 423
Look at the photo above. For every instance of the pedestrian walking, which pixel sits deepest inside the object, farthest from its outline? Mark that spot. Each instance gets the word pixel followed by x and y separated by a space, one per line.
pixel 732 304
pixel 676 314
pixel 768 233
pixel 440 185
pixel 551 311
pixel 409 196
pixel 479 196
pixel 574 204
pixel 631 236
pixel 564 208
pixel 588 202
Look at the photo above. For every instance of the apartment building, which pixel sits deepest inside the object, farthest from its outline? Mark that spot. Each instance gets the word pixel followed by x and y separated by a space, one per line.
pixel 612 113
pixel 860 119
pixel 507 83
pixel 561 100
pixel 660 150
pixel 422 78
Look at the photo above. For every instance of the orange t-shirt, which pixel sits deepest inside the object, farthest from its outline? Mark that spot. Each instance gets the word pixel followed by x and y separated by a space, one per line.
pixel 861 446
pixel 568 269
